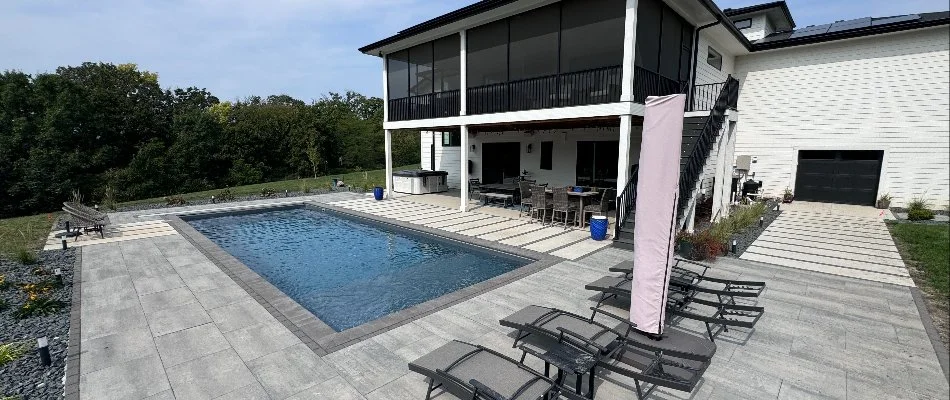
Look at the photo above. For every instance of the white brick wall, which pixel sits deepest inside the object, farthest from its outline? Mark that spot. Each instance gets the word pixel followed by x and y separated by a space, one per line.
pixel 886 92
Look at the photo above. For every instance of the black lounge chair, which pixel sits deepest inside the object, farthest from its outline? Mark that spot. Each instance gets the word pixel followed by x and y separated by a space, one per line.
pixel 672 342
pixel 551 329
pixel 684 304
pixel 86 218
pixel 471 371
pixel 698 281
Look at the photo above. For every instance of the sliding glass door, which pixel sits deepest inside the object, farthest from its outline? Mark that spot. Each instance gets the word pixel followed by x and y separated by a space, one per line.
pixel 597 163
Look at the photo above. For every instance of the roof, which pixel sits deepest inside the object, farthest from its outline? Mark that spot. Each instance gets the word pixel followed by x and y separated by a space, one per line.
pixel 442 20
pixel 775 5
pixel 851 29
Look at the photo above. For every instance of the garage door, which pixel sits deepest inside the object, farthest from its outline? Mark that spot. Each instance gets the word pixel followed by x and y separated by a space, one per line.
pixel 838 176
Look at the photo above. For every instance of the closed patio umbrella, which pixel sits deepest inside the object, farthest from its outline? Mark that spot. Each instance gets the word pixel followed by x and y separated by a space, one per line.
pixel 657 198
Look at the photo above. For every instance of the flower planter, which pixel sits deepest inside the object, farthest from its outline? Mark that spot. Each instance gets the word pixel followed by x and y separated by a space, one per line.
pixel 378 193
pixel 598 228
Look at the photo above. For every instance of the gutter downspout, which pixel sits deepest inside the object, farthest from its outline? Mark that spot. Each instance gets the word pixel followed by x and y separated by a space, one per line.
pixel 692 78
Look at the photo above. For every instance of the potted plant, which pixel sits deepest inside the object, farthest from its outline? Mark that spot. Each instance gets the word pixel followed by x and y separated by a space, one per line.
pixel 788 196
pixel 378 192
pixel 684 244
pixel 884 202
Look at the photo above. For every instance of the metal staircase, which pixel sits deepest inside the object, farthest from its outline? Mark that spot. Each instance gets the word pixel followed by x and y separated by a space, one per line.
pixel 699 138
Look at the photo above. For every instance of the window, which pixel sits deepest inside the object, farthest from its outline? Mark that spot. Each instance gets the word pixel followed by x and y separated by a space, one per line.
pixel 744 23
pixel 664 41
pixel 533 43
pixel 547 155
pixel 398 70
pixel 591 34
pixel 487 54
pixel 447 69
pixel 714 58
pixel 451 139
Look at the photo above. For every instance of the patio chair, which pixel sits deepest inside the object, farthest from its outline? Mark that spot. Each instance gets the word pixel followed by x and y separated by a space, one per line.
pixel 563 205
pixel 549 329
pixel 600 208
pixel 699 282
pixel 540 204
pixel 474 189
pixel 524 188
pixel 86 219
pixel 682 304
pixel 471 371
pixel 672 342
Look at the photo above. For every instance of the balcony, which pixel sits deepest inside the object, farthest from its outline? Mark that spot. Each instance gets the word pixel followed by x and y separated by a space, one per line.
pixel 432 105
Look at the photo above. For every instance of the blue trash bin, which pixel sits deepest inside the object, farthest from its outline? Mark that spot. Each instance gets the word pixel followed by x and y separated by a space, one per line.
pixel 378 193
pixel 598 228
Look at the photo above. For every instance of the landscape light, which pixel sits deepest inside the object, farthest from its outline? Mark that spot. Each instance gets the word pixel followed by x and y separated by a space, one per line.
pixel 212 199
pixel 42 346
pixel 735 245
pixel 64 242
pixel 761 221
pixel 59 274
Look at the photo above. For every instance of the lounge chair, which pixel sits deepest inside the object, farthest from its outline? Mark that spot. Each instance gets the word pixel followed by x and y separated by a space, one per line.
pixel 647 364
pixel 672 342
pixel 699 282
pixel 683 304
pixel 86 218
pixel 471 371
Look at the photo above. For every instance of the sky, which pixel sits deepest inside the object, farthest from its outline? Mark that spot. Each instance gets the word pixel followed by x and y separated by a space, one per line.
pixel 239 48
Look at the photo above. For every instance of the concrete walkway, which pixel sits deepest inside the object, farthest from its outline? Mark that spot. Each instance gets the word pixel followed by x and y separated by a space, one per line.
pixel 565 243
pixel 834 239
pixel 160 321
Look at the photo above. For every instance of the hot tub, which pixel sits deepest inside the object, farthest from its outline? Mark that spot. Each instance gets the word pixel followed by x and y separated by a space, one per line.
pixel 419 181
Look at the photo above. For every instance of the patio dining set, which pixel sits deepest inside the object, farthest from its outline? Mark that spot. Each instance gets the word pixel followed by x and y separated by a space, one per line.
pixel 569 206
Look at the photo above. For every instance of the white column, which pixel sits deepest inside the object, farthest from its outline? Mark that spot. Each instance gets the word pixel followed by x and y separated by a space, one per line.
pixel 463 84
pixel 629 50
pixel 463 164
pixel 623 159
pixel 385 90
pixel 389 164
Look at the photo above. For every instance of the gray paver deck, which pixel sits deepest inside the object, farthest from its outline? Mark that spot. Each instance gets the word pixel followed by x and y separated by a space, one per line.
pixel 821 336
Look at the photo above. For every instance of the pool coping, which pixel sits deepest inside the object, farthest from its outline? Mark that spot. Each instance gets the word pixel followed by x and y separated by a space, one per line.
pixel 317 335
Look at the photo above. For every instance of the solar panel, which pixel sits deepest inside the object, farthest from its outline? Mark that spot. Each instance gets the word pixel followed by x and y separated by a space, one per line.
pixel 894 20
pixel 850 24
pixel 809 31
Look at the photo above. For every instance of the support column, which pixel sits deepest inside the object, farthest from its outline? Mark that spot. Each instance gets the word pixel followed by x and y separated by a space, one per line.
pixel 463 164
pixel 629 51
pixel 389 163
pixel 623 153
pixel 463 82
pixel 385 89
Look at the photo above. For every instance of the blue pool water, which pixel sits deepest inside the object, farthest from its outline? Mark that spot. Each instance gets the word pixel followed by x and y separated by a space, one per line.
pixel 348 271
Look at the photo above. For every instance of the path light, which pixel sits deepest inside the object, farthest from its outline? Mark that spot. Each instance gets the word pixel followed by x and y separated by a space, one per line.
pixel 212 199
pixel 64 242
pixel 59 275
pixel 42 346
pixel 735 245
pixel 285 193
pixel 761 221
pixel 96 207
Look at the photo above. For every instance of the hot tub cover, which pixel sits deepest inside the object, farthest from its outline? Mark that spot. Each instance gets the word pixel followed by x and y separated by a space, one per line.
pixel 418 173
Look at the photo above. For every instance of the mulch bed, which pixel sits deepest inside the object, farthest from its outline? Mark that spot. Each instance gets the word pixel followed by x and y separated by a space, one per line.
pixel 26 377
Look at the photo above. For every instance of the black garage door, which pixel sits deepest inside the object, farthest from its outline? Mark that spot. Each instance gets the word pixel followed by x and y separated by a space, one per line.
pixel 838 176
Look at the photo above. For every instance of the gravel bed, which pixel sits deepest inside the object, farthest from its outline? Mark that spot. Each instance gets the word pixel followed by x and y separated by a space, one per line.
pixel 26 377
pixel 744 239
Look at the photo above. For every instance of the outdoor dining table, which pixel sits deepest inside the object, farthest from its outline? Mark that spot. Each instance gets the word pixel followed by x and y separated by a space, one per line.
pixel 580 203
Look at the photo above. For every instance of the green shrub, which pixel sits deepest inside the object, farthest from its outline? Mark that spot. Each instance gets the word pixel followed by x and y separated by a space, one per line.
pixel 268 192
pixel 14 350
pixel 176 200
pixel 918 203
pixel 226 195
pixel 920 214
pixel 24 256
pixel 109 198
pixel 38 306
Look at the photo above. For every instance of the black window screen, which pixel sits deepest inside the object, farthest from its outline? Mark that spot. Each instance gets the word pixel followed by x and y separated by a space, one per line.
pixel 487 54
pixel 547 155
pixel 447 68
pixel 420 69
pixel 397 70
pixel 591 34
pixel 533 48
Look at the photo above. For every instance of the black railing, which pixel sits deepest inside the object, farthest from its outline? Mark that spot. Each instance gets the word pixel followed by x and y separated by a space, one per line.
pixel 693 167
pixel 594 86
pixel 432 105
pixel 705 96
pixel 646 83
pixel 626 202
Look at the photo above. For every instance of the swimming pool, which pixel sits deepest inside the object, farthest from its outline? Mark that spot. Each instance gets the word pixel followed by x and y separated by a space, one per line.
pixel 348 271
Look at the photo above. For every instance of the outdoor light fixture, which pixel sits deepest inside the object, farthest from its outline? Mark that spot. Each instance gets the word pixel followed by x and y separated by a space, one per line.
pixel 776 207
pixel 285 192
pixel 761 221
pixel 735 244
pixel 96 207
pixel 42 346
pixel 528 148
pixel 59 275
pixel 212 199
pixel 64 242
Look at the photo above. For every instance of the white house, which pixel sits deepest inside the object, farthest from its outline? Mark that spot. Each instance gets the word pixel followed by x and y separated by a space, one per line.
pixel 554 90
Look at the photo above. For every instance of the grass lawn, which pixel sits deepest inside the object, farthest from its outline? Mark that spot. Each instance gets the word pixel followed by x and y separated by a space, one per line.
pixel 360 179
pixel 24 233
pixel 927 246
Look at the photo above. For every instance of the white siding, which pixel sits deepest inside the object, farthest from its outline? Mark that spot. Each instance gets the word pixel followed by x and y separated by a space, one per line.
pixel 706 73
pixel 759 29
pixel 888 92
pixel 446 158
